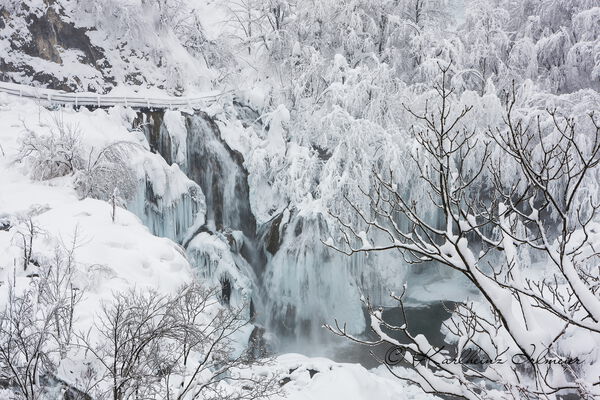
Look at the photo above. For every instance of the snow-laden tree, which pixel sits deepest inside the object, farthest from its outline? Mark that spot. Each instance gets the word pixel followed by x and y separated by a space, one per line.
pixel 52 155
pixel 260 26
pixel 149 345
pixel 583 59
pixel 566 39
pixel 106 175
pixel 486 41
pixel 26 347
pixel 37 319
pixel 515 211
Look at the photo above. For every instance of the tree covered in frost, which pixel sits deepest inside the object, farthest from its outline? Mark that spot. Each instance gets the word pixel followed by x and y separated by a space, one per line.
pixel 142 344
pixel 513 208
pixel 97 173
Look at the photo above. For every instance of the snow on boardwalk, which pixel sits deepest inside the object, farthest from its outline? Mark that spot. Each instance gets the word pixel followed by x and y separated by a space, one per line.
pixel 99 100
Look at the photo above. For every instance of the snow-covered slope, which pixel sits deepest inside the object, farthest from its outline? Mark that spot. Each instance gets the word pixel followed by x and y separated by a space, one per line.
pixel 115 255
pixel 98 46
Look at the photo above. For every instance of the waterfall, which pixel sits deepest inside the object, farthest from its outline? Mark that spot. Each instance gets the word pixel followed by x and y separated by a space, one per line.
pixel 219 172
pixel 310 284
pixel 167 202
pixel 209 212
pixel 290 281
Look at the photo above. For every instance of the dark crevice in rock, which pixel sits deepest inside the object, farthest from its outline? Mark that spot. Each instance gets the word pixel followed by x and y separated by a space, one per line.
pixel 271 236
pixel 257 344
pixel 285 381
pixel 225 291
pixel 151 123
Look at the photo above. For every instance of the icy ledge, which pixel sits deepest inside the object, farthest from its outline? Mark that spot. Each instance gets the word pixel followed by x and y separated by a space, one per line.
pixel 166 201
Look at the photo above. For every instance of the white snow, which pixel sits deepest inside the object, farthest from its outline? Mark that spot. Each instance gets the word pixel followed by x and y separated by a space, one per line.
pixel 342 381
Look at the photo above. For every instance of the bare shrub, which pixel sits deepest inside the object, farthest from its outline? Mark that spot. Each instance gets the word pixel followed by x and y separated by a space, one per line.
pixel 26 347
pixel 107 175
pixel 104 174
pixel 173 347
pixel 54 155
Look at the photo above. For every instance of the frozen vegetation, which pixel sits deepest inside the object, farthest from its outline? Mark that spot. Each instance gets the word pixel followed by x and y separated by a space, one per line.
pixel 363 160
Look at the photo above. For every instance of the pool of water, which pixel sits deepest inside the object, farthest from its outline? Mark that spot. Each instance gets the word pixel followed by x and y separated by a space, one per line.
pixel 426 320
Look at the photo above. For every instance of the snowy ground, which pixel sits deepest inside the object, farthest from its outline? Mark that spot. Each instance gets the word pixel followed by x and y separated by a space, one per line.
pixel 342 381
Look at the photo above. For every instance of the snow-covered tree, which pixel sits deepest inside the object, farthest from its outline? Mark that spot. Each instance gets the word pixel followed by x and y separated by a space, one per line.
pixel 55 154
pixel 37 319
pixel 181 347
pixel 521 192
pixel 486 39
pixel 26 347
pixel 106 175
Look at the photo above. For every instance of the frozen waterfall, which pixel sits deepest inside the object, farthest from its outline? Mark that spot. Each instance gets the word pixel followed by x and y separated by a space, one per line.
pixel 291 282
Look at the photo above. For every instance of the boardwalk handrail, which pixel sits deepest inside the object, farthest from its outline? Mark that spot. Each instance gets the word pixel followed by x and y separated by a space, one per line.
pixel 100 100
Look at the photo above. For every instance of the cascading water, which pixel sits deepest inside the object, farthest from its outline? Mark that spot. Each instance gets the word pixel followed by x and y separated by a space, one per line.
pixel 292 281
pixel 219 172
pixel 219 232
pixel 166 201
pixel 309 283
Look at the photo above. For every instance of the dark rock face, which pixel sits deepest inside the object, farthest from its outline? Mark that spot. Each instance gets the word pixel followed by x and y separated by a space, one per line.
pixel 50 32
pixel 274 239
pixel 151 198
pixel 257 345
pixel 271 234
pixel 151 123
pixel 225 291
pixel 47 35
pixel 248 116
